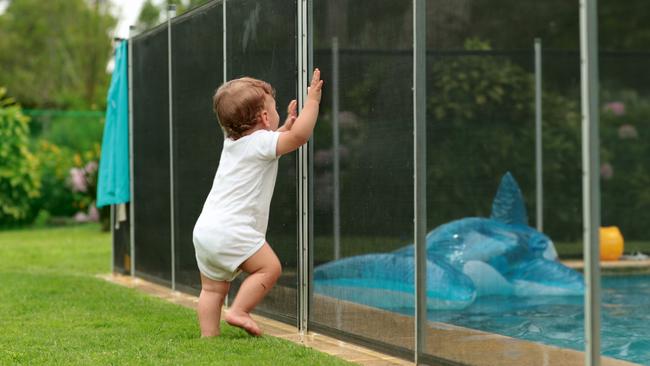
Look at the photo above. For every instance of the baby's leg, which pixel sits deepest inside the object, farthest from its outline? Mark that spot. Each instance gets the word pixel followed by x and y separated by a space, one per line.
pixel 265 269
pixel 213 293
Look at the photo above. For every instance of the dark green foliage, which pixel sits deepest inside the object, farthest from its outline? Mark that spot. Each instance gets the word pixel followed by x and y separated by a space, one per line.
pixel 149 15
pixel 625 172
pixel 153 13
pixel 183 6
pixel 78 131
pixel 480 121
pixel 60 194
pixel 480 125
pixel 56 198
pixel 54 53
pixel 63 141
pixel 19 179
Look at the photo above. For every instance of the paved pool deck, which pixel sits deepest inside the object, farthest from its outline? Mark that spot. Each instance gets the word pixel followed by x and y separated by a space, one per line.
pixel 457 344
pixel 621 267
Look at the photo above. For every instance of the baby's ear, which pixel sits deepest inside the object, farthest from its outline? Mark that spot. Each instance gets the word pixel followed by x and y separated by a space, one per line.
pixel 264 119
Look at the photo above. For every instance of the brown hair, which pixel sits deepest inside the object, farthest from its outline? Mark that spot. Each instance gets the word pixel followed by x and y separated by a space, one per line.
pixel 238 103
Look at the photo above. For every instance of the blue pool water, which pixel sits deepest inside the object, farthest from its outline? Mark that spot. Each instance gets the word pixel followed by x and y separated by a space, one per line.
pixel 558 321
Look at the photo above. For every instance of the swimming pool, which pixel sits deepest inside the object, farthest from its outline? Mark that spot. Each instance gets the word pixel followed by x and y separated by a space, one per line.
pixel 559 321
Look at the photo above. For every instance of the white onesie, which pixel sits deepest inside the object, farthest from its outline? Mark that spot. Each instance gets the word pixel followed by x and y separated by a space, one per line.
pixel 232 225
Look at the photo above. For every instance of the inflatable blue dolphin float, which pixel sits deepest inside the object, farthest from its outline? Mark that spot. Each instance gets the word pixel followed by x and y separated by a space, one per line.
pixel 466 258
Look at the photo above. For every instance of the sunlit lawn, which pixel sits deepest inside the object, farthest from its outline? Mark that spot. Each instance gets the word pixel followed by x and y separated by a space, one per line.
pixel 53 310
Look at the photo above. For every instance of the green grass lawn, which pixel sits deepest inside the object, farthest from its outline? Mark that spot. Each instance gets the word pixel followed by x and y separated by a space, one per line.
pixel 54 311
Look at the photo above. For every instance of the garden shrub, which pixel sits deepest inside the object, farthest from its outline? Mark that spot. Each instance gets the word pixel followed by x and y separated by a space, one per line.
pixel 480 124
pixel 56 199
pixel 69 181
pixel 480 121
pixel 625 172
pixel 19 178
pixel 83 178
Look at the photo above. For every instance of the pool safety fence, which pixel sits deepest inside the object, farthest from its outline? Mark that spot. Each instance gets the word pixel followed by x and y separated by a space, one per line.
pixel 389 150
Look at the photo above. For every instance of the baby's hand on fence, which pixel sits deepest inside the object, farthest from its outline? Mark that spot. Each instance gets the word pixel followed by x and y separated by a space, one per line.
pixel 292 114
pixel 314 90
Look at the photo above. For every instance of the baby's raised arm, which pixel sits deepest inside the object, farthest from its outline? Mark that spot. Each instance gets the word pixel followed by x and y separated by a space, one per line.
pixel 303 127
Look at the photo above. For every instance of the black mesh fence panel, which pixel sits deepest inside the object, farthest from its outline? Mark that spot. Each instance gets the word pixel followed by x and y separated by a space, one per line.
pixel 481 126
pixel 151 192
pixel 625 147
pixel 261 43
pixel 561 138
pixel 197 70
pixel 363 174
pixel 480 120
pixel 624 179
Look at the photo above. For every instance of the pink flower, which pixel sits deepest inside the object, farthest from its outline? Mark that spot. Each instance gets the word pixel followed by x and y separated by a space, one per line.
pixel 344 152
pixel 627 131
pixel 78 180
pixel 80 217
pixel 91 167
pixel 606 171
pixel 323 157
pixel 93 213
pixel 617 108
pixel 348 119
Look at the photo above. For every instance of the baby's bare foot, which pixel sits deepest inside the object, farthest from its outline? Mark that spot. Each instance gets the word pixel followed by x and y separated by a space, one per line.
pixel 244 321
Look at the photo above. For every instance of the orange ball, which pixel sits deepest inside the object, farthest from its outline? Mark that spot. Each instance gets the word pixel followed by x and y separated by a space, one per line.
pixel 611 243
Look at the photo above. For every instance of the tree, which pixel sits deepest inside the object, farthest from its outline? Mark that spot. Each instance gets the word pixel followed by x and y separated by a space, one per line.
pixel 53 53
pixel 152 14
pixel 149 15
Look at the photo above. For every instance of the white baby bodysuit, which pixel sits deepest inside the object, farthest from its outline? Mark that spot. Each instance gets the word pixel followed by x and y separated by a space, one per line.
pixel 232 225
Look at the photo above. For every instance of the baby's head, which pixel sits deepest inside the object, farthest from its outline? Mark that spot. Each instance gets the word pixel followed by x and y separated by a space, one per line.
pixel 241 105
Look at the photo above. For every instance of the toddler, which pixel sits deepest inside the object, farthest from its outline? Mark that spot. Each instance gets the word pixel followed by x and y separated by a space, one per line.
pixel 229 235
